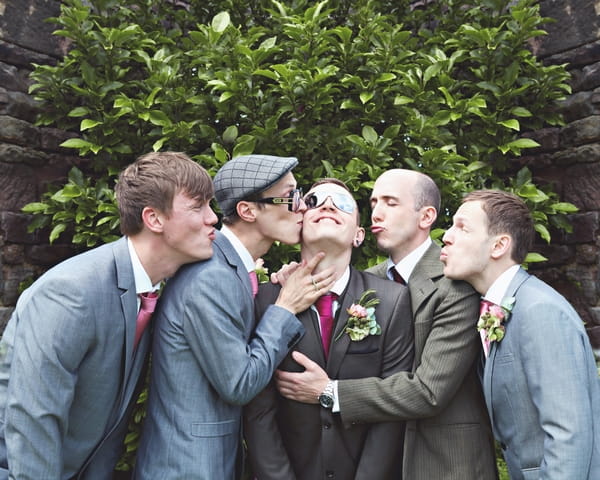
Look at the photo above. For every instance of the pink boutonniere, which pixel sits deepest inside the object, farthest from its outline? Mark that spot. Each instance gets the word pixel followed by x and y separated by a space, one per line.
pixel 362 322
pixel 493 318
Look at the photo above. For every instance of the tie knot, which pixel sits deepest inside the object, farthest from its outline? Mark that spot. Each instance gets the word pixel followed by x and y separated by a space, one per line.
pixel 397 277
pixel 148 301
pixel 325 302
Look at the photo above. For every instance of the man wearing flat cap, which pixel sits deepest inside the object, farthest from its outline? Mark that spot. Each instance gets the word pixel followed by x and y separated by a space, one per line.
pixel 210 354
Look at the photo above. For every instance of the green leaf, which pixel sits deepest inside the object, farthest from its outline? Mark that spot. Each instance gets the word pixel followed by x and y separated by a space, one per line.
pixel 56 231
pixel 533 257
pixel 369 134
pixel 220 22
pixel 512 123
pixel 87 124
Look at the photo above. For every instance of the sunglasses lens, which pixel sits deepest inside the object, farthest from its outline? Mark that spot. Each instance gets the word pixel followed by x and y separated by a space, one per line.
pixel 341 201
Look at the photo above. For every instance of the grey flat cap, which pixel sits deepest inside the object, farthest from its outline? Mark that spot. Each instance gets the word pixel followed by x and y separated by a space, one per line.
pixel 244 176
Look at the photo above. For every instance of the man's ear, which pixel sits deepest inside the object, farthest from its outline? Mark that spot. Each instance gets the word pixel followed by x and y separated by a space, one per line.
pixel 246 211
pixel 502 246
pixel 359 237
pixel 428 217
pixel 153 219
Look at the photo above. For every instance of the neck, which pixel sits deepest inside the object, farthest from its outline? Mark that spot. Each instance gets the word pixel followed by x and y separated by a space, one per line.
pixel 402 251
pixel 489 275
pixel 158 261
pixel 339 259
pixel 253 240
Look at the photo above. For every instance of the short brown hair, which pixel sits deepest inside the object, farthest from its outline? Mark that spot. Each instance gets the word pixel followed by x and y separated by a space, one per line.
pixel 153 180
pixel 506 213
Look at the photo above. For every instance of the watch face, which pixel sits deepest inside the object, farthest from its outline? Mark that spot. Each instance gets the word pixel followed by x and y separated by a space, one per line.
pixel 325 400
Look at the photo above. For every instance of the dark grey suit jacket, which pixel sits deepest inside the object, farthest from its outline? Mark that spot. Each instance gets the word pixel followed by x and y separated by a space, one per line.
pixel 448 433
pixel 290 440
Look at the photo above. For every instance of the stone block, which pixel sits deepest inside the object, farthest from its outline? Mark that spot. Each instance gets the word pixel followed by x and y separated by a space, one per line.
pixel 5 313
pixel 589 153
pixel 585 228
pixel 12 254
pixel 19 132
pixel 18 105
pixel 582 186
pixel 10 153
pixel 577 23
pixel 49 255
pixel 579 132
pixel 23 22
pixel 22 57
pixel 17 186
pixel 13 277
pixel 14 227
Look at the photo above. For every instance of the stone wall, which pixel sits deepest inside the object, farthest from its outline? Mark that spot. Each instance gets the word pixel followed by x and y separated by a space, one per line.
pixel 569 156
pixel 29 155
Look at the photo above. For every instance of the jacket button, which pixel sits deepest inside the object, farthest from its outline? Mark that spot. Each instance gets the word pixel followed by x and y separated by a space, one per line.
pixel 329 474
pixel 327 425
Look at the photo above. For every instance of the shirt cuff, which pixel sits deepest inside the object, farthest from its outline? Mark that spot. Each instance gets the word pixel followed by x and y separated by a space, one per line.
pixel 336 402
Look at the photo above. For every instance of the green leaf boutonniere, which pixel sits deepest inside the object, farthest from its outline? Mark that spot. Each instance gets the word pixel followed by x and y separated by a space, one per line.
pixel 262 272
pixel 362 322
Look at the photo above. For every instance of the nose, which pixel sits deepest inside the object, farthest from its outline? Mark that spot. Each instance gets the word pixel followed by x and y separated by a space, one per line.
pixel 328 203
pixel 211 218
pixel 301 206
pixel 447 238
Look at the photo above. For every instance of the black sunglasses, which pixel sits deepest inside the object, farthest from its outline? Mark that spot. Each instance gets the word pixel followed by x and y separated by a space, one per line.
pixel 293 200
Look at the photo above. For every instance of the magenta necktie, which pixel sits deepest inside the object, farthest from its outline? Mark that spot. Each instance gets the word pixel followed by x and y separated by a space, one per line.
pixel 325 308
pixel 397 277
pixel 147 305
pixel 253 282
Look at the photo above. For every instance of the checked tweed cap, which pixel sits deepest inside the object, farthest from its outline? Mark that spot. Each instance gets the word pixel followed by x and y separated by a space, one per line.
pixel 244 176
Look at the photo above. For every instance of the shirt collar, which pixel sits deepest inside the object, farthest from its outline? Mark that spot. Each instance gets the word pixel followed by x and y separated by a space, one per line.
pixel 498 289
pixel 239 248
pixel 405 266
pixel 141 278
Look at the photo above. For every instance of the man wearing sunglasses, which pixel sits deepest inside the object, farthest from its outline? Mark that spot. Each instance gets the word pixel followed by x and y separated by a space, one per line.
pixel 210 354
pixel 290 440
pixel 448 433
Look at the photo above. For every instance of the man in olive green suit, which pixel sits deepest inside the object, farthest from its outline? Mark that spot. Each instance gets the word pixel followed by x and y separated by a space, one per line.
pixel 448 434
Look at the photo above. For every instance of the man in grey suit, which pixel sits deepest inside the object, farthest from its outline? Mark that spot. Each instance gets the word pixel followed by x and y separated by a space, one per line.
pixel 69 361
pixel 289 440
pixel 540 380
pixel 210 356
pixel 448 434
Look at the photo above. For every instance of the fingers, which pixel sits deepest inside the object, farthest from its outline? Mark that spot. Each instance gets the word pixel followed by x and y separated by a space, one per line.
pixel 303 360
pixel 313 262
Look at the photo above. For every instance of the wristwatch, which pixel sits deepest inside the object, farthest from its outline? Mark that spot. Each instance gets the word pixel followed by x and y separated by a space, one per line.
pixel 326 397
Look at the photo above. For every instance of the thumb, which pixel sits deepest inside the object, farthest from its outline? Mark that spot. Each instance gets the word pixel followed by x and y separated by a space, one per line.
pixel 303 360
pixel 313 262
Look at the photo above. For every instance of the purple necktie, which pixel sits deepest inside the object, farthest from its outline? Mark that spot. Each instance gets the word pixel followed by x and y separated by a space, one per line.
pixel 254 282
pixel 147 305
pixel 325 308
pixel 397 277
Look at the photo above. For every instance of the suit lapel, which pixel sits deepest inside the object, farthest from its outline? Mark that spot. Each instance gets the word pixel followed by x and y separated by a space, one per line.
pixel 420 283
pixel 311 344
pixel 488 373
pixel 339 347
pixel 233 259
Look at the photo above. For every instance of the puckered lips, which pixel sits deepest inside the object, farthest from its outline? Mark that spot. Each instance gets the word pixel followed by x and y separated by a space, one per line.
pixel 377 229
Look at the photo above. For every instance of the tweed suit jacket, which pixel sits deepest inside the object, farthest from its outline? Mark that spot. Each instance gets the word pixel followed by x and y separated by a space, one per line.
pixel 68 370
pixel 542 388
pixel 448 433
pixel 207 361
pixel 290 440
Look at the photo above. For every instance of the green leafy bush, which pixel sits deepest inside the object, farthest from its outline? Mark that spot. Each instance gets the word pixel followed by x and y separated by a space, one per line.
pixel 351 88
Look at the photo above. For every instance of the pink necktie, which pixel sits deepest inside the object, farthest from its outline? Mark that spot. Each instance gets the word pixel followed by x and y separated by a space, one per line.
pixel 253 282
pixel 325 308
pixel 484 306
pixel 397 277
pixel 147 305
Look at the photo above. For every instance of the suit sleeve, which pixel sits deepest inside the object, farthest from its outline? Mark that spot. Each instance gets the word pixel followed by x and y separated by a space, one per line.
pixel 555 362
pixel 266 450
pixel 50 339
pixel 447 358
pixel 379 457
pixel 217 325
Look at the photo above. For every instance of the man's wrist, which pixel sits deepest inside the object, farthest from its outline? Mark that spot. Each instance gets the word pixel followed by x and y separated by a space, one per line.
pixel 327 398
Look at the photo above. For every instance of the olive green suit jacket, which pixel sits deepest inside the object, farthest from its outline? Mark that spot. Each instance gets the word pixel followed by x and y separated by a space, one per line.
pixel 448 433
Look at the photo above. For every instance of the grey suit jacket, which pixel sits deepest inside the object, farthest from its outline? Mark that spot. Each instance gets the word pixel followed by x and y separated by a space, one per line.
pixel 68 370
pixel 448 433
pixel 542 388
pixel 207 361
pixel 290 440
